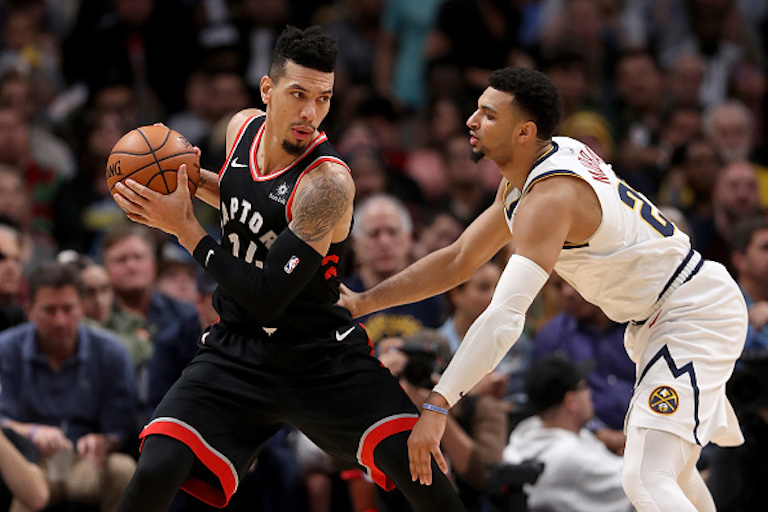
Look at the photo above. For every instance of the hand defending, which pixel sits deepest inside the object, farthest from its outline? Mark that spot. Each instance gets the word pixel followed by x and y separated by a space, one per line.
pixel 424 443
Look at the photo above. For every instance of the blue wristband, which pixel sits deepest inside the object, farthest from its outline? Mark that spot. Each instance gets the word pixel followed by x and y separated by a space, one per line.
pixel 430 407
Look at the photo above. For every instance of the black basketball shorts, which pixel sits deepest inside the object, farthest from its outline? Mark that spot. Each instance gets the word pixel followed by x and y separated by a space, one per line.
pixel 239 390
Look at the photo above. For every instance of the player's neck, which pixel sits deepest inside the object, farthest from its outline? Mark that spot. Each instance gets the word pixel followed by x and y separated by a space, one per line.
pixel 271 156
pixel 518 166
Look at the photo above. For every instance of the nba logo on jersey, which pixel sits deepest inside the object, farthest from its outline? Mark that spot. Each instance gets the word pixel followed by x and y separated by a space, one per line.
pixel 291 264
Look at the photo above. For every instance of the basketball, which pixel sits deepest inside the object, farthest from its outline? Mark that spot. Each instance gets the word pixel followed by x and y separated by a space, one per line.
pixel 151 155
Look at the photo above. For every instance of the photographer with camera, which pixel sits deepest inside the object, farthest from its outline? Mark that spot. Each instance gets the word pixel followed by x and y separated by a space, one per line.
pixel 476 430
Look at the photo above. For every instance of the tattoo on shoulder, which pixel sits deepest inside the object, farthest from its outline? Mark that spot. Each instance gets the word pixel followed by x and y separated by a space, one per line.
pixel 318 206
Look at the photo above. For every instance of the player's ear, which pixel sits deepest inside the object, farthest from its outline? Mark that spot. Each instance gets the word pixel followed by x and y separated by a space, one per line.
pixel 266 86
pixel 527 131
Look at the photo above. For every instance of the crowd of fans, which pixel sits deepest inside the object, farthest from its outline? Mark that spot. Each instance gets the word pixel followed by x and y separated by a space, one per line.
pixel 672 93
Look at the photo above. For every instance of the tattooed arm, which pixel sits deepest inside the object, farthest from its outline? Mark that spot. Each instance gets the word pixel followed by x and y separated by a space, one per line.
pixel 322 206
pixel 208 188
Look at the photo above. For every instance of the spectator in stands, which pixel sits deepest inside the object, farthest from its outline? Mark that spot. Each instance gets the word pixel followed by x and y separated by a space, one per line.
pixel 70 389
pixel 172 326
pixel 467 195
pixel 438 228
pixel 582 332
pixel 684 80
pixel 22 92
pixel 382 240
pixel 400 67
pixel 83 206
pixel 11 312
pixel 749 253
pixel 736 196
pixel 21 479
pixel 149 44
pixel 15 204
pixel 176 274
pixel 41 181
pixel 580 473
pixel 737 475
pixel 639 85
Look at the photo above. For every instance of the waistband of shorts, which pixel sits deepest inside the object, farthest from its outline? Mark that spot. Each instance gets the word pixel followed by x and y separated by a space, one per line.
pixel 689 267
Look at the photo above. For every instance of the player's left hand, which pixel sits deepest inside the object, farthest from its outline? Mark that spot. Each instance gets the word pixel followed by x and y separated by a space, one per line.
pixel 423 444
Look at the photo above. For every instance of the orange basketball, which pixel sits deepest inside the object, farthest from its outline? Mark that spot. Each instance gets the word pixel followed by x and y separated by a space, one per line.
pixel 151 155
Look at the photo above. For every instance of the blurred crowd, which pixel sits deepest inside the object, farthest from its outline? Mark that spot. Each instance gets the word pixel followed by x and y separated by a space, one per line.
pixel 98 316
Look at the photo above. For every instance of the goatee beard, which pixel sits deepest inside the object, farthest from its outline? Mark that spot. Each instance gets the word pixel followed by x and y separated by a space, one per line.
pixel 477 156
pixel 292 149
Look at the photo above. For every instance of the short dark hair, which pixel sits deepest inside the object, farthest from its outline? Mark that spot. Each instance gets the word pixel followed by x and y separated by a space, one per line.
pixel 309 48
pixel 534 94
pixel 54 275
pixel 744 230
pixel 549 379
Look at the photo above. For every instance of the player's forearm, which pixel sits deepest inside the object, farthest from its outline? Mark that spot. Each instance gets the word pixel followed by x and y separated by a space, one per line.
pixel 263 292
pixel 433 274
pixel 208 189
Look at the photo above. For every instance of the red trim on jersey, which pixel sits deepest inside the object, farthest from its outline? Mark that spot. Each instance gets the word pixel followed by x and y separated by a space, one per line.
pixel 374 437
pixel 237 140
pixel 256 173
pixel 219 466
pixel 288 214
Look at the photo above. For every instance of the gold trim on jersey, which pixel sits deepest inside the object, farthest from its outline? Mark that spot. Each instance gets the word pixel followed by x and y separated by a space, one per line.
pixel 549 174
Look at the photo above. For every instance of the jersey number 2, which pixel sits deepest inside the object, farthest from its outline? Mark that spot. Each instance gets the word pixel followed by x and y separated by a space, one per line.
pixel 648 212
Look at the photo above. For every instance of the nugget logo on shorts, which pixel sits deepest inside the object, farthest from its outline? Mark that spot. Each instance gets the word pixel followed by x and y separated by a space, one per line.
pixel 292 263
pixel 663 400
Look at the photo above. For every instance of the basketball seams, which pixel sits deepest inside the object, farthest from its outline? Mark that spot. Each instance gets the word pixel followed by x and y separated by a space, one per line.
pixel 156 162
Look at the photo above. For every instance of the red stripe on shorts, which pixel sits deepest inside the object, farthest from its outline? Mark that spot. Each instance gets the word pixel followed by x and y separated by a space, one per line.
pixel 377 434
pixel 217 463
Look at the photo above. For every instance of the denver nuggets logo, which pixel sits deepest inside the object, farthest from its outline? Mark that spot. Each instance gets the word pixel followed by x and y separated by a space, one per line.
pixel 664 400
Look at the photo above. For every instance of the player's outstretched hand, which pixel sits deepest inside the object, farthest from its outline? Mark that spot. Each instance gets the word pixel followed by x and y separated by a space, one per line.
pixel 423 444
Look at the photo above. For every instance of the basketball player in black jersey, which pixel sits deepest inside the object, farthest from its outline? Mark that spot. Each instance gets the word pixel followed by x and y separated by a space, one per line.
pixel 282 352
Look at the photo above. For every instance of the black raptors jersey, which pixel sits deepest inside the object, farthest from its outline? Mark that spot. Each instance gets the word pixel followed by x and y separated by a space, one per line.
pixel 255 209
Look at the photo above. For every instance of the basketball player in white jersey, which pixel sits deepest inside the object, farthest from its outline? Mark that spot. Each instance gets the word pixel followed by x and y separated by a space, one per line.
pixel 567 211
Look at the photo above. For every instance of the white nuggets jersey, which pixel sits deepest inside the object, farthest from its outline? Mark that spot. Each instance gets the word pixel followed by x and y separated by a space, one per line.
pixel 630 259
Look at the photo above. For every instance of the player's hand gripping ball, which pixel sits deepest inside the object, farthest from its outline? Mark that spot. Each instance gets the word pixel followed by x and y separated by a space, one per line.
pixel 151 155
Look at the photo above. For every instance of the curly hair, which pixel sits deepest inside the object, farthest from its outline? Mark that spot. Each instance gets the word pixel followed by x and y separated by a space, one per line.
pixel 310 48
pixel 534 94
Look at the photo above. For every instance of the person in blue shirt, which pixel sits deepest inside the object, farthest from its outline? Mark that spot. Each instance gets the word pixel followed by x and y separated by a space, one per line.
pixel 70 389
